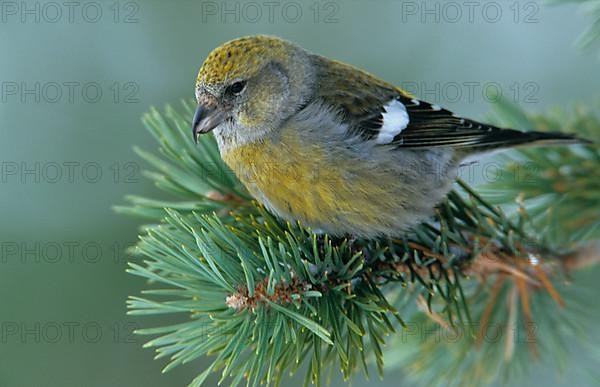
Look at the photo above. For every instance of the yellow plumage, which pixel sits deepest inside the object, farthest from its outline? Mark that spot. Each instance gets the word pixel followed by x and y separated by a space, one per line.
pixel 303 181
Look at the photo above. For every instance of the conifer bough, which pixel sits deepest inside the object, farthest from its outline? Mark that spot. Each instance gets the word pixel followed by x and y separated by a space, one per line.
pixel 261 298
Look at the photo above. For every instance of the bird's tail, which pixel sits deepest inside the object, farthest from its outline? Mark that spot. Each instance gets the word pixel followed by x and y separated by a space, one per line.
pixel 556 137
pixel 507 138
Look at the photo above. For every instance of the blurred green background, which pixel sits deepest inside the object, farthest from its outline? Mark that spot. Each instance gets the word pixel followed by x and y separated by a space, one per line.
pixel 76 79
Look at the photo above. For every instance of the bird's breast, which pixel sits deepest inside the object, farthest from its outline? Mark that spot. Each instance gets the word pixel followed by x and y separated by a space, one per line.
pixel 331 187
pixel 296 181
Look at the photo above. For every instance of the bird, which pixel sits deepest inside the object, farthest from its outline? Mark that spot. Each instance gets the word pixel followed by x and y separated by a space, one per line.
pixel 335 148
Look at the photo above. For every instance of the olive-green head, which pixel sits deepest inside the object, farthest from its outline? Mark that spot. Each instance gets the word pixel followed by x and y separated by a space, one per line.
pixel 248 86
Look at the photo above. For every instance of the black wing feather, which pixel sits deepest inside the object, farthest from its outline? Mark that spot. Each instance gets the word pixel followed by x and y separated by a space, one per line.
pixel 431 126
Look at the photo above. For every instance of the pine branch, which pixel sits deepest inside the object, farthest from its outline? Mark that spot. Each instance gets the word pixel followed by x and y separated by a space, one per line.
pixel 266 298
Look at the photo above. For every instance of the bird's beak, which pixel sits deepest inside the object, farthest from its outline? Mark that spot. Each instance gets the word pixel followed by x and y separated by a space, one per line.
pixel 206 119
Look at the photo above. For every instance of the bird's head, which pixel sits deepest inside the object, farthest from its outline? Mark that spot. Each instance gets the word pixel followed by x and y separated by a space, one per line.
pixel 247 87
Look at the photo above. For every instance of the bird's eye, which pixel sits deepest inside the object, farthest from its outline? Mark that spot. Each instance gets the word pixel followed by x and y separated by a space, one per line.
pixel 237 87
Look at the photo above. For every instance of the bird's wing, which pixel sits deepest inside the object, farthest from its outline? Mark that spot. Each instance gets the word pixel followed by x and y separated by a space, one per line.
pixel 384 113
pixel 408 122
